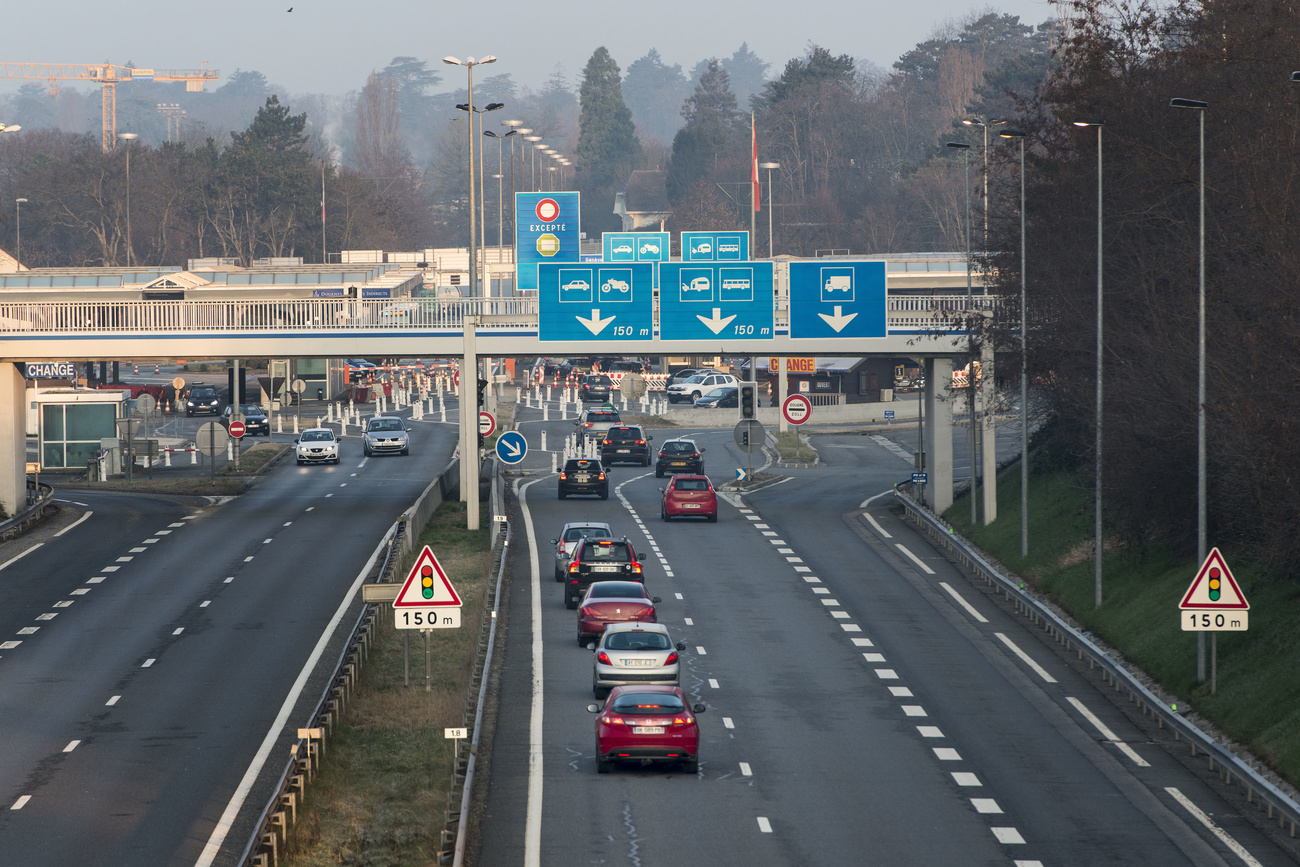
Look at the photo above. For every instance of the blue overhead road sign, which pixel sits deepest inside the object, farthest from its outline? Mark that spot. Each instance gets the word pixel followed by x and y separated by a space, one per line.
pixel 710 300
pixel 546 230
pixel 846 299
pixel 511 447
pixel 715 246
pixel 595 302
pixel 635 246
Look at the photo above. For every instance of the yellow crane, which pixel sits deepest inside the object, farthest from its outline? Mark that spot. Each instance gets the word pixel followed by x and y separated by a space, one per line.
pixel 108 77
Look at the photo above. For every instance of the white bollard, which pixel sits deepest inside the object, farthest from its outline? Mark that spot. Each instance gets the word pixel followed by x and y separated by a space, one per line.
pixel 442 409
pixel 555 462
pixel 543 440
pixel 230 449
pixel 167 457
pixel 295 425
pixel 518 394
pixel 546 413
pixel 564 411
pixel 343 427
pixel 624 404
pixel 329 412
pixel 320 422
pixel 279 424
pixel 548 394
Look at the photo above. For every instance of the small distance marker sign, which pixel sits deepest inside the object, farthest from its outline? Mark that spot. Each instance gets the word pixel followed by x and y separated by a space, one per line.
pixel 797 409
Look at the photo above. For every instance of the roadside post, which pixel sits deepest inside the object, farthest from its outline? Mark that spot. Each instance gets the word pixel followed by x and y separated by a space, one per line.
pixel 1214 603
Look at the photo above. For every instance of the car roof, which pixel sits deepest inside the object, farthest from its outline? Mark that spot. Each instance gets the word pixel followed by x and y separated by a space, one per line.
pixel 317 429
pixel 679 440
pixel 640 589
pixel 580 524
pixel 677 477
pixel 383 417
pixel 636 627
pixel 582 461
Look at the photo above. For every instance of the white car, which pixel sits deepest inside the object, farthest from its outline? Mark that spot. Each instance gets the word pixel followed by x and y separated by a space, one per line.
pixel 573 533
pixel 692 389
pixel 637 654
pixel 385 434
pixel 317 445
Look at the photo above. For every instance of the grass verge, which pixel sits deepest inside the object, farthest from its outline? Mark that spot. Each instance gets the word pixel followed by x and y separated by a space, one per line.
pixel 791 448
pixel 382 789
pixel 1258 698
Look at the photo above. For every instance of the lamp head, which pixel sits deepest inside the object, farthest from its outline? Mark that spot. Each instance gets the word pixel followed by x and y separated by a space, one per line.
pixel 1088 121
pixel 1178 102
pixel 1012 133
pixel 956 145
pixel 973 121
pixel 493 106
pixel 453 61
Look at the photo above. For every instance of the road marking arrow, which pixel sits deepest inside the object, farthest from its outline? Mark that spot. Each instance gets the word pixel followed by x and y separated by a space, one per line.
pixel 839 320
pixel 717 323
pixel 595 324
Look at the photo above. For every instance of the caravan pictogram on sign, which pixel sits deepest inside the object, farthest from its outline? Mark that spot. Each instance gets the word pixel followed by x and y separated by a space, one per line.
pixel 1214 588
pixel 427 585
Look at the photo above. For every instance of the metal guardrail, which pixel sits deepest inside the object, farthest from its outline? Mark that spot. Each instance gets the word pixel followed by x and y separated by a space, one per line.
pixel 1262 788
pixel 38 497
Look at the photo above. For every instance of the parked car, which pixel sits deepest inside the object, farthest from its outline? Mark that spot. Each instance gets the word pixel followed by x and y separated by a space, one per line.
pixel 634 654
pixel 686 373
pixel 607 602
pixel 727 395
pixel 697 386
pixel 317 445
pixel 625 367
pixel 679 456
pixel 595 386
pixel 689 496
pixel 386 435
pixel 202 400
pixel 570 536
pixel 359 369
pixel 601 560
pixel 255 420
pixel 583 476
pixel 647 724
pixel 626 443
pixel 595 423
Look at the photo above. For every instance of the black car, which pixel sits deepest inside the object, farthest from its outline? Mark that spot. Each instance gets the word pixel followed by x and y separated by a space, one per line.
pixel 202 400
pixel 595 386
pixel 726 395
pixel 601 560
pixel 583 476
pixel 679 456
pixel 627 444
pixel 255 420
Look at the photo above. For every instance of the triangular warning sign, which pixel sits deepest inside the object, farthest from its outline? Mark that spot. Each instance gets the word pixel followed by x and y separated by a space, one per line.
pixel 427 585
pixel 1214 587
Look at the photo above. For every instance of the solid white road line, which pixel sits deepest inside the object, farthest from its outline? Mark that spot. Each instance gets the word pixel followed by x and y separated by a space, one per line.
pixel 533 821
pixel 67 528
pixel 20 556
pixel 1226 838
pixel 970 609
pixel 1107 733
pixel 879 529
pixel 1024 657
pixel 915 559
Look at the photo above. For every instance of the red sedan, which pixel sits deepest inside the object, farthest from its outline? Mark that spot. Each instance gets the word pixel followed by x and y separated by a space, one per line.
pixel 647 724
pixel 689 496
pixel 607 602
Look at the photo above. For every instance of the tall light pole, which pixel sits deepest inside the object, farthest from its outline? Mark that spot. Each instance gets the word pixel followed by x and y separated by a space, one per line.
pixel 970 342
pixel 523 154
pixel 1096 518
pixel 18 227
pixel 532 161
pixel 1024 360
pixel 128 137
pixel 1202 544
pixel 516 129
pixel 769 167
pixel 501 174
pixel 469 63
pixel 984 127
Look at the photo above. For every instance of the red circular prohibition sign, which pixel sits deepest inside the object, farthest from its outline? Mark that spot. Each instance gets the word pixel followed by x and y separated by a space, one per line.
pixel 548 210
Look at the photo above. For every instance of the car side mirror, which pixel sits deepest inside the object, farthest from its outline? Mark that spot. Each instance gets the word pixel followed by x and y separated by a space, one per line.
pixel 593 708
pixel 699 708
pixel 555 541
pixel 681 645
pixel 295 442
pixel 591 645
pixel 702 451
pixel 661 490
pixel 640 556
pixel 655 599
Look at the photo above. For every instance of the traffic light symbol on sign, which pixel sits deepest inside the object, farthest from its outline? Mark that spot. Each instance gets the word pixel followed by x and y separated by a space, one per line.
pixel 1216 585
pixel 748 396
pixel 426 581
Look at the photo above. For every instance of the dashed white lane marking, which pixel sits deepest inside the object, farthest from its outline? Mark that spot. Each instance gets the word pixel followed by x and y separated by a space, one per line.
pixel 886 674
pixel 81 591
pixel 1107 733
pixel 98 579
pixel 929 731
pixel 48 615
pixel 124 559
pixel 248 559
pixel 745 770
pixel 727 723
pixel 148 662
pixel 29 630
pixel 353 475
pixel 343 485
pixel 713 684
pixel 205 603
pixel 178 630
pixel 794 559
pixel 830 602
pixel 162 532
pixel 179 524
pixel 850 627
pixel 760 526
pixel 678 595
pixel 915 559
pixel 1038 669
pixel 964 778
pixel 190 517
pixel 110 568
pixel 900 692
pixel 72 745
pixel 970 609
pixel 137 550
pixel 784 550
pixel 266 541
pixel 812 579
pixel 112 701
pixel 9 645
pixel 701 651
pixel 228 580
pixel 862 642
pixel 145 542
pixel 688 621
pixel 764 825
pixel 874 657
pixel 21 802
pixel 67 528
pixel 309 508
pixel 1019 863
pixel 947 754
pixel 879 529
pixel 774 541
pixel 985 806
pixel 327 496
pixel 914 710
pixel 1009 836
pixel 840 615
pixel 802 569
pixel 1224 837
pixel 64 603
pixel 287 524
pixel 821 590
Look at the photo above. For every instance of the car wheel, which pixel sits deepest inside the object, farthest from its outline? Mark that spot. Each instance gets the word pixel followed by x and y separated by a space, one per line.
pixel 691 766
pixel 659 472
pixel 663 514
pixel 366 451
pixel 406 451
pixel 604 495
pixel 582 640
pixel 562 495
pixel 570 602
pixel 713 519
pixel 602 766
pixel 695 395
pixel 646 462
pixel 599 692
pixel 300 463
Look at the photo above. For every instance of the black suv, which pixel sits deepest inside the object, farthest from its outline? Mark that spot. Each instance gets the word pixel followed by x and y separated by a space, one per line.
pixel 600 560
pixel 595 386
pixel 583 476
pixel 255 420
pixel 626 443
pixel 202 400
pixel 679 456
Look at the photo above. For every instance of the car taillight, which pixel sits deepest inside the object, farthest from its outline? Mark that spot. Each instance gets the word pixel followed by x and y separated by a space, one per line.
pixel 603 658
pixel 672 659
pixel 640 442
pixel 590 612
pixel 648 611
pixel 683 720
pixel 573 567
pixel 695 454
pixel 612 720
pixel 602 477
pixel 563 476
pixel 636 567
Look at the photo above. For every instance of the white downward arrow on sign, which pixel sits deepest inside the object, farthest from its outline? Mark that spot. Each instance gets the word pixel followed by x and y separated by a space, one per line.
pixel 512 449
pixel 595 324
pixel 839 320
pixel 717 323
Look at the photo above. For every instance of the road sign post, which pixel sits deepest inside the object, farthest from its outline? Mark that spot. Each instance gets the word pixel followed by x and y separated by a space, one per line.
pixel 212 440
pixel 749 435
pixel 1214 603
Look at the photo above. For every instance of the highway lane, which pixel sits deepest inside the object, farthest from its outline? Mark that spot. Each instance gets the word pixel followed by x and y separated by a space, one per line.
pixel 138 709
pixel 862 709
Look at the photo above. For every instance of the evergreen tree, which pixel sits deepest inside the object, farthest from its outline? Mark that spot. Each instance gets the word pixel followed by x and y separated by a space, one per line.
pixel 748 73
pixel 709 136
pixel 608 149
pixel 654 91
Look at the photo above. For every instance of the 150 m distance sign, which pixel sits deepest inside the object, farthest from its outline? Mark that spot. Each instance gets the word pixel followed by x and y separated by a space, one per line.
pixel 595 302
pixel 427 600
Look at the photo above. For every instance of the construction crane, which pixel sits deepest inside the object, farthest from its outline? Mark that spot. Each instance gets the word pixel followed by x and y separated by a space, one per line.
pixel 108 77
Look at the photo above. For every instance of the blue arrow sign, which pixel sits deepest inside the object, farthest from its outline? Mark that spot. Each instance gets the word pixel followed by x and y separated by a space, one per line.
pixel 741 475
pixel 712 300
pixel 846 299
pixel 595 302
pixel 715 246
pixel 511 447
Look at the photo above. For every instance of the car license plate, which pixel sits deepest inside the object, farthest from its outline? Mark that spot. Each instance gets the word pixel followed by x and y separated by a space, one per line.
pixel 637 663
pixel 690 505
pixel 625 451
pixel 679 463
pixel 647 730
pixel 606 568
pixel 581 477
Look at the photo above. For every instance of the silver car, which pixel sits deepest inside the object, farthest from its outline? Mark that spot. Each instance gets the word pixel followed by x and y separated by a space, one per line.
pixel 568 541
pixel 317 445
pixel 637 654
pixel 384 435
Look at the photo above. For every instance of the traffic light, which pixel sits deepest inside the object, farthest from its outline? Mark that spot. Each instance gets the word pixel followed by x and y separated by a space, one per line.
pixel 748 399
pixel 426 581
pixel 482 386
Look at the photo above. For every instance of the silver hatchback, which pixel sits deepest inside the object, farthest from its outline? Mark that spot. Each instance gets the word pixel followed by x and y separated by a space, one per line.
pixel 386 435
pixel 635 654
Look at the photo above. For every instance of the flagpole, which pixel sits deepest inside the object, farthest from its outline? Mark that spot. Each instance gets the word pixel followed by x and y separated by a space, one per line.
pixel 324 257
pixel 753 181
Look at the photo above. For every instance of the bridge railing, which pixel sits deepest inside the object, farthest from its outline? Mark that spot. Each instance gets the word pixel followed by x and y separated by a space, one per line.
pixel 344 314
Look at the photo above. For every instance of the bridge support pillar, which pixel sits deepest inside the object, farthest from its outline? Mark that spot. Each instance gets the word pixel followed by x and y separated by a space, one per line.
pixel 13 439
pixel 938 433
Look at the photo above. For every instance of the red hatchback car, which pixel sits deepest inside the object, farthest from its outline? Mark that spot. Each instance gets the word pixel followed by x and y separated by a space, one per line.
pixel 689 496
pixel 647 724
pixel 607 602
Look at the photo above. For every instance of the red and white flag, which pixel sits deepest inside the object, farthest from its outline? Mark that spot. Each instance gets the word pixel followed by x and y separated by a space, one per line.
pixel 753 164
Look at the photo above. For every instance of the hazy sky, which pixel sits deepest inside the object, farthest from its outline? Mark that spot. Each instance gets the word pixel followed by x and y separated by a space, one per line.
pixel 329 46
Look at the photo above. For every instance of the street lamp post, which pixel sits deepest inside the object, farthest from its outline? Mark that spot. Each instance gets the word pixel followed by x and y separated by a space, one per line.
pixel 469 63
pixel 532 161
pixel 769 166
pixel 970 343
pixel 501 149
pixel 984 126
pixel 1024 360
pixel 1097 538
pixel 18 232
pixel 1202 543
pixel 128 137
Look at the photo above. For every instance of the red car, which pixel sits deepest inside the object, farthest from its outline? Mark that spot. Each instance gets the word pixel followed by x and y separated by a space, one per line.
pixel 646 724
pixel 607 602
pixel 689 497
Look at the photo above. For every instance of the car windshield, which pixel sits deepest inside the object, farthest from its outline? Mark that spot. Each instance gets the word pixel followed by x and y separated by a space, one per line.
pixel 696 378
pixel 384 424
pixel 678 448
pixel 576 533
pixel 636 641
pixel 598 380
pixel 314 436
pixel 624 433
pixel 203 392
pixel 582 466
pixel 250 409
pixel 611 417
pixel 617 590
pixel 602 553
pixel 648 704
pixel 691 485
